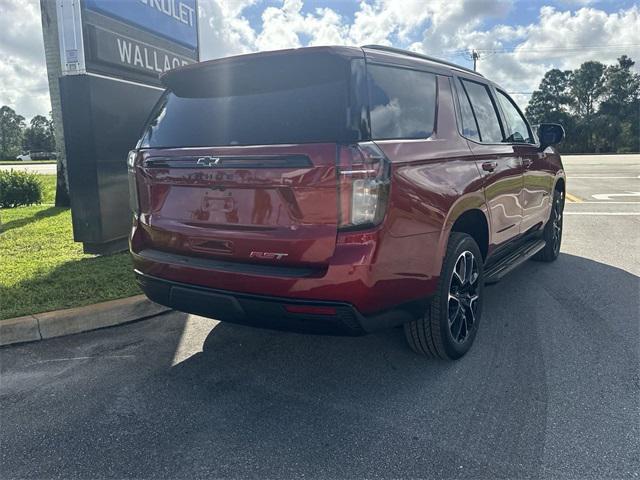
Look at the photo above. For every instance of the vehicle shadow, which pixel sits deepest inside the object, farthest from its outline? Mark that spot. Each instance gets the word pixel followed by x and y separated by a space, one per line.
pixel 344 406
pixel 199 400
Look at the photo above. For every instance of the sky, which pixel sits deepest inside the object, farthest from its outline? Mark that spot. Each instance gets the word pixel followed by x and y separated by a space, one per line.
pixel 518 40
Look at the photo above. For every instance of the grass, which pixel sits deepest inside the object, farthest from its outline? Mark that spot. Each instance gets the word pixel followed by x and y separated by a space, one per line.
pixel 48 188
pixel 42 268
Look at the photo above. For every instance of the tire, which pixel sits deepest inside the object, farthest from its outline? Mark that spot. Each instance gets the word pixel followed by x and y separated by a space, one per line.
pixel 433 335
pixel 552 233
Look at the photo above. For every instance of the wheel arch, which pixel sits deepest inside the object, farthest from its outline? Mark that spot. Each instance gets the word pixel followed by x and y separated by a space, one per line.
pixel 473 222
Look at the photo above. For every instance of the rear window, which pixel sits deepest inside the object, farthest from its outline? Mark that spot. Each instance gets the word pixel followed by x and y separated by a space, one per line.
pixel 485 112
pixel 264 100
pixel 402 102
pixel 469 125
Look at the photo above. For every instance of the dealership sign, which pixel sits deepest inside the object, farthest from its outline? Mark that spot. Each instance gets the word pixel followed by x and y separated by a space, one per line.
pixel 130 39
pixel 126 53
pixel 172 19
pixel 104 81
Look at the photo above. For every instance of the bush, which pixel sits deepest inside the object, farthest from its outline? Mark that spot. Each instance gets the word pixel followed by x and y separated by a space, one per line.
pixel 19 188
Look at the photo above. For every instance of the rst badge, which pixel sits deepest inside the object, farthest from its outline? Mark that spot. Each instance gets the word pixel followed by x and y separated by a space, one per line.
pixel 208 161
pixel 268 255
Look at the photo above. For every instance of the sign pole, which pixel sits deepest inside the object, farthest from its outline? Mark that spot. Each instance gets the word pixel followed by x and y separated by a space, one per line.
pixel 54 71
pixel 104 59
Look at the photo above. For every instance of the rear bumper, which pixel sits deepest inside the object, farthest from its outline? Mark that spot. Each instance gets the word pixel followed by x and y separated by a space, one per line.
pixel 269 312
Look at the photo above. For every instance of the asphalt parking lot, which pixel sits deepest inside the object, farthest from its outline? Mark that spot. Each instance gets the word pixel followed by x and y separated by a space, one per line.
pixel 551 388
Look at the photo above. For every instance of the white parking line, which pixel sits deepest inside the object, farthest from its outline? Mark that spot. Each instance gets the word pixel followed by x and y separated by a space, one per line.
pixel 602 213
pixel 613 202
pixel 593 177
pixel 609 196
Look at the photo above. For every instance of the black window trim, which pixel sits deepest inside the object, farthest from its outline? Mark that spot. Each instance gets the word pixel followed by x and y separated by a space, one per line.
pixel 459 107
pixel 535 143
pixel 360 88
pixel 495 106
pixel 402 67
pixel 456 104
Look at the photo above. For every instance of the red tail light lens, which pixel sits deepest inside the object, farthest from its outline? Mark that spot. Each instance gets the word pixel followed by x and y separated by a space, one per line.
pixel 363 182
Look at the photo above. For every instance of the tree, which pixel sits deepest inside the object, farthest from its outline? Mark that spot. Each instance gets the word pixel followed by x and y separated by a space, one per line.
pixel 39 135
pixel 587 88
pixel 621 106
pixel 552 97
pixel 598 105
pixel 11 131
pixel 51 132
pixel 552 103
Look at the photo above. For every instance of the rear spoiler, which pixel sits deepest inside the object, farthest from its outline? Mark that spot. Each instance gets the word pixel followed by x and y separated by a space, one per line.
pixel 260 72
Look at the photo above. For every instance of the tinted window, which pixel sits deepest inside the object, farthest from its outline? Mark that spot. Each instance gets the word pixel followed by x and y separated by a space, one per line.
pixel 485 112
pixel 268 100
pixel 517 126
pixel 469 125
pixel 402 102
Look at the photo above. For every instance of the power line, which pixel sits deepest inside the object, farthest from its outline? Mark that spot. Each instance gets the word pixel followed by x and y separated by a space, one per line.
pixel 567 48
pixel 475 53
pixel 511 50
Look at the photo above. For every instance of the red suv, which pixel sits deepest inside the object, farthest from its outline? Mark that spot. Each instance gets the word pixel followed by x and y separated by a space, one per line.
pixel 340 190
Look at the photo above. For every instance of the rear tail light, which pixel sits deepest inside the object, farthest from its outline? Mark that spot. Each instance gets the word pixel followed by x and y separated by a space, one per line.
pixel 363 182
pixel 134 203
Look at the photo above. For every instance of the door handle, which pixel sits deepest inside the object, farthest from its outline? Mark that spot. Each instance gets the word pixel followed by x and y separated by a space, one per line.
pixel 489 166
pixel 527 162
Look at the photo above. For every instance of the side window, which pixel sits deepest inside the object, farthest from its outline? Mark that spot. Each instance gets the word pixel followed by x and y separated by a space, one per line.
pixel 485 112
pixel 518 129
pixel 402 102
pixel 469 125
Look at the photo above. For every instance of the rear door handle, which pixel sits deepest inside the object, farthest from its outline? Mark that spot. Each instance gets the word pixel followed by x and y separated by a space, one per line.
pixel 527 162
pixel 489 166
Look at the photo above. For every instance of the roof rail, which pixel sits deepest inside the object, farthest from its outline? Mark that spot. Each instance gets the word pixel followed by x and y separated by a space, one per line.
pixel 420 55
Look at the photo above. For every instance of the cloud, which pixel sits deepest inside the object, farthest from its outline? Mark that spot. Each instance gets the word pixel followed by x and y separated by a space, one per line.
pixel 288 27
pixel 23 76
pixel 516 56
pixel 223 29
pixel 559 39
pixel 387 22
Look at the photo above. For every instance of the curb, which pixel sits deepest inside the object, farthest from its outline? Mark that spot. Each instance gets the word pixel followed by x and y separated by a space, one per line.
pixel 42 326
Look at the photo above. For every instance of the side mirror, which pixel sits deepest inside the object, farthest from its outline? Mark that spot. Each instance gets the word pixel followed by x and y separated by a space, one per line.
pixel 550 134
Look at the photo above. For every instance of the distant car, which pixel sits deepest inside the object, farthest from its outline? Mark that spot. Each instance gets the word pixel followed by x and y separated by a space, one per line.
pixel 43 155
pixel 29 156
pixel 341 190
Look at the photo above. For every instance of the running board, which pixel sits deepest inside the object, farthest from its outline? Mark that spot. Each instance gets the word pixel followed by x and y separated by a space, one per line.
pixel 495 272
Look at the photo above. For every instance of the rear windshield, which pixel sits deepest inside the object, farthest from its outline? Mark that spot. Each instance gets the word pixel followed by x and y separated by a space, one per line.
pixel 271 100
